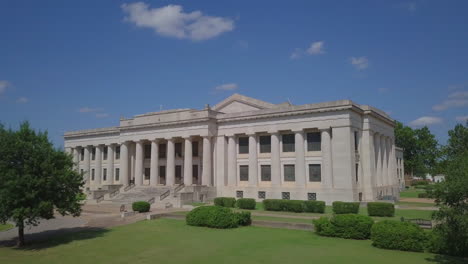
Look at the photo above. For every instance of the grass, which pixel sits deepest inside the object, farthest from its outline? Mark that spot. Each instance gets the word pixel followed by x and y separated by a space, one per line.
pixel 171 241
pixel 416 204
pixel 281 219
pixel 411 193
pixel 4 227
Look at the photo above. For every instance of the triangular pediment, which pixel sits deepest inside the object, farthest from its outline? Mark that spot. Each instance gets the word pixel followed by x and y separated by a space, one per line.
pixel 240 103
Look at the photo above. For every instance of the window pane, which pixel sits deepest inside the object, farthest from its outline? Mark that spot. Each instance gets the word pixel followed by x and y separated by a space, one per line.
pixel 266 172
pixel 243 145
pixel 244 172
pixel 147 173
pixel 265 144
pixel 147 151
pixel 117 174
pixel 93 154
pixel 117 152
pixel 289 173
pixel 162 151
pixel 315 173
pixel 314 141
pixel 195 148
pixel 104 174
pixel 178 149
pixel 288 143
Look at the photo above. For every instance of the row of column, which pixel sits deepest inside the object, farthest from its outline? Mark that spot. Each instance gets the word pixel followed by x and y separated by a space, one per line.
pixel 385 160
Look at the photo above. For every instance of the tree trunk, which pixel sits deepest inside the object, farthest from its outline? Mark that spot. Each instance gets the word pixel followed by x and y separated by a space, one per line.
pixel 21 234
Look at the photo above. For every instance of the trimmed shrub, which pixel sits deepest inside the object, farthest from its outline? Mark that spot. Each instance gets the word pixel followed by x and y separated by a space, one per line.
pixel 345 207
pixel 212 216
pixel 380 209
pixel 141 206
pixel 244 218
pixel 246 203
pixel 314 207
pixel 272 204
pixel 283 205
pixel 398 235
pixel 225 201
pixel 419 182
pixel 351 226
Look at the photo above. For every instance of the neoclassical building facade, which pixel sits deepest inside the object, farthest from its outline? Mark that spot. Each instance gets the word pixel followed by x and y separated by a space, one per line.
pixel 244 147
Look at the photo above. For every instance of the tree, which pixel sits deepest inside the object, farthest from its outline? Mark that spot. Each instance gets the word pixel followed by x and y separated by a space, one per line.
pixel 458 141
pixel 35 179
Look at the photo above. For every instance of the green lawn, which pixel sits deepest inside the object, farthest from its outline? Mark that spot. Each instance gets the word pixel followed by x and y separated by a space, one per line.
pixel 5 227
pixel 411 193
pixel 171 241
pixel 416 204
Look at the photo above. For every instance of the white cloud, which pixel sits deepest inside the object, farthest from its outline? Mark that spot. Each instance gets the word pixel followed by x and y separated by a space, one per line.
pixel 227 87
pixel 89 110
pixel 171 21
pixel 296 54
pixel 462 118
pixel 22 100
pixel 3 86
pixel 360 63
pixel 456 99
pixel 316 48
pixel 102 115
pixel 426 121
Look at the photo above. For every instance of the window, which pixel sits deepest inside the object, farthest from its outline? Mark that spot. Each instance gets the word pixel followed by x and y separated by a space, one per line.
pixel 178 149
pixel 162 174
pixel 265 171
pixel 311 196
pixel 244 172
pixel 117 174
pixel 315 173
pixel 289 173
pixel 265 144
pixel 195 148
pixel 104 153
pixel 357 172
pixel 117 152
pixel 93 153
pixel 195 174
pixel 285 196
pixel 261 195
pixel 104 174
pixel 314 141
pixel 162 151
pixel 147 173
pixel 81 171
pixel 243 145
pixel 178 174
pixel 288 143
pixel 92 174
pixel 239 194
pixel 356 141
pixel 82 154
pixel 147 151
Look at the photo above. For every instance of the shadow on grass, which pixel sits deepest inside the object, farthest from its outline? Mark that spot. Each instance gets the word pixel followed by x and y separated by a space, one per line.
pixel 53 238
pixel 443 259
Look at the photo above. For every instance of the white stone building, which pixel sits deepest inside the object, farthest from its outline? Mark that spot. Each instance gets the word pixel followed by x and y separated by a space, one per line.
pixel 244 147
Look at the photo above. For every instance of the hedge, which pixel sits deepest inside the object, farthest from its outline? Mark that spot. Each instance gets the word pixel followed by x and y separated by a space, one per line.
pixel 314 207
pixel 273 204
pixel 398 235
pixel 217 217
pixel 246 203
pixel 380 209
pixel 351 226
pixel 141 206
pixel 345 207
pixel 225 201
pixel 283 205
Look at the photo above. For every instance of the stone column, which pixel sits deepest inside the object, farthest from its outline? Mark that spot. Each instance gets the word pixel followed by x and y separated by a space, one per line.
pixel 378 160
pixel 170 162
pixel 253 177
pixel 154 167
pixel 327 165
pixel 139 163
pixel 124 179
pixel 110 163
pixel 87 165
pixel 188 161
pixel 232 161
pixel 206 172
pixel 383 146
pixel 300 159
pixel 76 158
pixel 275 159
pixel 98 171
pixel 367 158
pixel 392 163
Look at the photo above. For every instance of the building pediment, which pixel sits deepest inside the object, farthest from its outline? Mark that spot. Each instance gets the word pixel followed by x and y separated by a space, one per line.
pixel 239 103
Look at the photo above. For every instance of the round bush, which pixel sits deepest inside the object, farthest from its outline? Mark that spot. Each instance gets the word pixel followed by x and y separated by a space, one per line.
pixel 217 217
pixel 345 207
pixel 380 209
pixel 141 206
pixel 244 218
pixel 246 203
pixel 351 226
pixel 225 201
pixel 398 235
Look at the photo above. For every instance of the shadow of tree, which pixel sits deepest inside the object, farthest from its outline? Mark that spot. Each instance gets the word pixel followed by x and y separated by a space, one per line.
pixel 53 238
pixel 443 259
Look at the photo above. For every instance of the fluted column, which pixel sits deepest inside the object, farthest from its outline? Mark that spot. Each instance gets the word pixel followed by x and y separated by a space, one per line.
pixel 170 165
pixel 232 161
pixel 87 165
pixel 188 161
pixel 327 166
pixel 378 160
pixel 253 170
pixel 383 146
pixel 110 163
pixel 124 164
pixel 206 172
pixel 300 159
pixel 275 159
pixel 154 166
pixel 98 171
pixel 392 164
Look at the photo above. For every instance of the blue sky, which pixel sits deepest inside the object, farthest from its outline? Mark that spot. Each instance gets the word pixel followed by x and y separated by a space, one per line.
pixel 70 65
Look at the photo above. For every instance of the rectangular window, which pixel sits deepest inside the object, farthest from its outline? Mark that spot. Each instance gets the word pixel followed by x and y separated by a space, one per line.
pixel 239 194
pixel 178 149
pixel 265 171
pixel 195 148
pixel 147 173
pixel 162 151
pixel 261 195
pixel 315 173
pixel 265 144
pixel 104 153
pixel 357 172
pixel 104 174
pixel 285 195
pixel 314 141
pixel 93 153
pixel 243 145
pixel 117 174
pixel 92 174
pixel 289 173
pixel 288 143
pixel 178 174
pixel 195 174
pixel 244 172
pixel 311 196
pixel 82 154
pixel 117 152
pixel 356 141
pixel 162 174
pixel 148 151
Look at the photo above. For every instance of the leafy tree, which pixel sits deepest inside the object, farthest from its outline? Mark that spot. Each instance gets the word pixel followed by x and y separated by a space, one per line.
pixel 458 141
pixel 35 179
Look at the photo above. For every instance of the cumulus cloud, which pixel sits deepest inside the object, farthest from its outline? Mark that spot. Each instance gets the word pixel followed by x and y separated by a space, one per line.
pixel 102 115
pixel 360 63
pixel 227 87
pixel 462 118
pixel 172 21
pixel 426 121
pixel 22 100
pixel 89 109
pixel 316 48
pixel 3 86
pixel 456 99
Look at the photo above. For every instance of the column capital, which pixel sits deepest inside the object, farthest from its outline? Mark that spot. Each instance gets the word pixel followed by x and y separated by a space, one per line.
pixel 273 132
pixel 208 137
pixel 169 139
pixel 251 134
pixel 188 137
pixel 298 130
